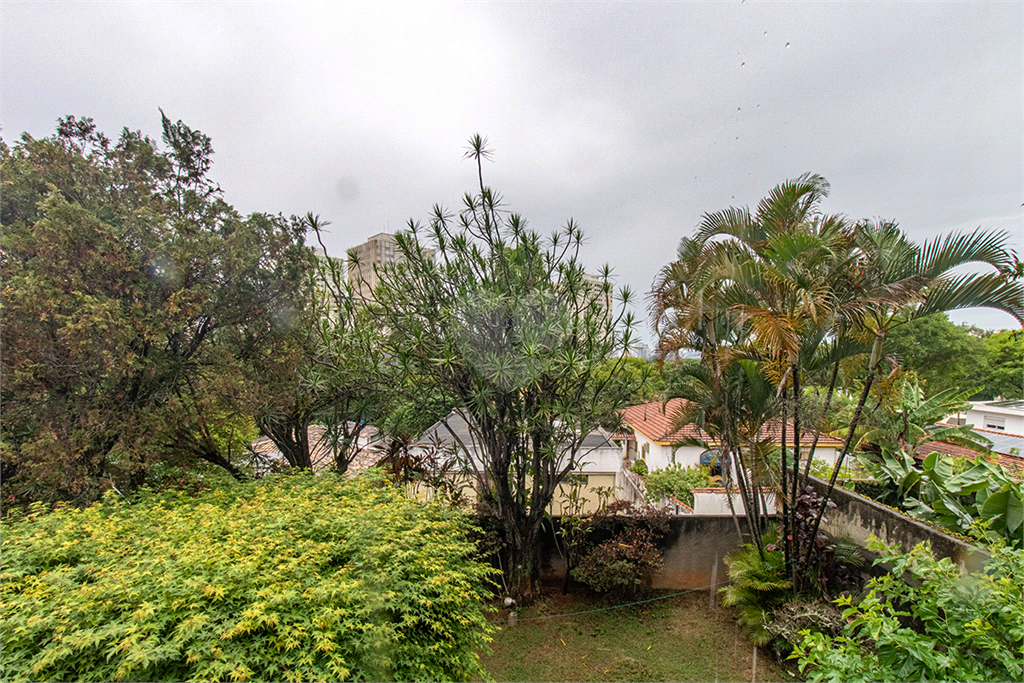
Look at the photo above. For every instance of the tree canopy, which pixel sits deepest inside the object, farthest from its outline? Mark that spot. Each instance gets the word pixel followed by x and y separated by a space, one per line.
pixel 136 306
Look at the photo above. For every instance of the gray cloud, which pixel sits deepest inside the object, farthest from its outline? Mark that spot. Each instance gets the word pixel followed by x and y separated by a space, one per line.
pixel 632 118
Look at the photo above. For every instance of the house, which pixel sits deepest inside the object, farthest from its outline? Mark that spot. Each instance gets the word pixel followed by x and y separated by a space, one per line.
pixel 266 456
pixel 1000 416
pixel 599 474
pixel 651 438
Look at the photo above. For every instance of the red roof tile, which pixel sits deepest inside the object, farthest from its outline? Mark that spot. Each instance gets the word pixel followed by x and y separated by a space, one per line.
pixel 654 421
pixel 945 447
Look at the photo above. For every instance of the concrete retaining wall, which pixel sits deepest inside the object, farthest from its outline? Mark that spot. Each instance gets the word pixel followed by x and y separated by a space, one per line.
pixel 859 518
pixel 695 545
pixel 692 549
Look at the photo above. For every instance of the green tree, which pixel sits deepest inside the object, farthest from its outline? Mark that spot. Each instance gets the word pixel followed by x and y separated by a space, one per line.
pixel 134 303
pixel 642 378
pixel 943 355
pixel 509 326
pixel 335 374
pixel 1004 365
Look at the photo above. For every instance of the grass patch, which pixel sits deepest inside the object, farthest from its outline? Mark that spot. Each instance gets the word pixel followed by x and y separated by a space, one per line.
pixel 677 639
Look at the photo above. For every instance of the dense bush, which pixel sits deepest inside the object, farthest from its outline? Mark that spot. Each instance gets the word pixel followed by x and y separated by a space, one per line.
pixel 289 578
pixel 941 626
pixel 640 467
pixel 628 559
pixel 766 604
pixel 676 481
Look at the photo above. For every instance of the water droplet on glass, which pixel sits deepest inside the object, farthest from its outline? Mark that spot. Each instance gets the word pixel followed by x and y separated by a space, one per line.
pixel 743 64
pixel 787 44
pixel 738 109
pixel 759 106
pixel 766 32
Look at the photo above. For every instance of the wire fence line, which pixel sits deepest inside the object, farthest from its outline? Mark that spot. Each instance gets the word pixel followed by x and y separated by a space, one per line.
pixel 605 609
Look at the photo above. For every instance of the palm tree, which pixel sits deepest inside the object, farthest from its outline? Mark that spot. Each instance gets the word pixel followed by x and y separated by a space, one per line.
pixel 902 281
pixel 802 290
pixel 790 285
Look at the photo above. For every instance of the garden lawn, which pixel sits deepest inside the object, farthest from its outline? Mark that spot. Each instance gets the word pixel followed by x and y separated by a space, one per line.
pixel 677 639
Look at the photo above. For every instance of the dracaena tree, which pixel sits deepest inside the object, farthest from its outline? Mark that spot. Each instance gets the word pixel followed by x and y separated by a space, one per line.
pixel 513 331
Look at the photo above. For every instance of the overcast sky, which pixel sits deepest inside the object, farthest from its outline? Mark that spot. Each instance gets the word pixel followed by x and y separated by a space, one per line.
pixel 633 118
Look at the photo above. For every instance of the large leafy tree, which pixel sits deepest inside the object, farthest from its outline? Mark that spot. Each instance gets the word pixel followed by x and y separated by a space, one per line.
pixel 510 328
pixel 135 302
pixel 1004 365
pixel 944 355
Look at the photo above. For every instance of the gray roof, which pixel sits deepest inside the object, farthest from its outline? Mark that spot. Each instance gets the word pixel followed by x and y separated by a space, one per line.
pixel 1002 442
pixel 456 423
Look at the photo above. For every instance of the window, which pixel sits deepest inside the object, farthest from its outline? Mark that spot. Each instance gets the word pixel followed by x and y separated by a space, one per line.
pixel 993 422
pixel 644 451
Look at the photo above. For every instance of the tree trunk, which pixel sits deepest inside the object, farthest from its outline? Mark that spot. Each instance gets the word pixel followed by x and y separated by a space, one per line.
pixel 876 352
pixel 291 436
pixel 817 433
pixel 796 474
pixel 787 536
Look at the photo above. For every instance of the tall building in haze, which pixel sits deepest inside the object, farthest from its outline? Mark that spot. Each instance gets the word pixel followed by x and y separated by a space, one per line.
pixel 376 252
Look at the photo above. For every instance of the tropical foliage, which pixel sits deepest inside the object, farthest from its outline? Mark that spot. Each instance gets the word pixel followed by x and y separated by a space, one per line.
pixel 935 491
pixel 963 629
pixel 676 481
pixel 290 578
pixel 910 420
pixel 777 298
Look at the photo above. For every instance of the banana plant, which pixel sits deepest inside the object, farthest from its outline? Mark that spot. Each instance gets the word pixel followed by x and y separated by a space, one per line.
pixel 935 492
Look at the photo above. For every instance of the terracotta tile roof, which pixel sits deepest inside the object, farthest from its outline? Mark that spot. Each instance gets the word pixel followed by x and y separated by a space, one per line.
pixel 997 432
pixel 654 421
pixel 945 447
pixel 1013 465
pixel 321 455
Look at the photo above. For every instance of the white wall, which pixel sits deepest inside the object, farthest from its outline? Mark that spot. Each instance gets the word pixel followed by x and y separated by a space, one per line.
pixel 990 417
pixel 716 502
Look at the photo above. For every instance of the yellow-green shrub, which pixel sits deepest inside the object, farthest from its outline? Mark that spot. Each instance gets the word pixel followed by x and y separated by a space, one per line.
pixel 289 578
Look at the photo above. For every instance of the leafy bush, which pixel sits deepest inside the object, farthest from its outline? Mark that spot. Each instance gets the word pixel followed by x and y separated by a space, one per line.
pixel 623 562
pixel 640 467
pixel 631 556
pixel 677 481
pixel 965 628
pixel 830 563
pixel 767 606
pixel 288 578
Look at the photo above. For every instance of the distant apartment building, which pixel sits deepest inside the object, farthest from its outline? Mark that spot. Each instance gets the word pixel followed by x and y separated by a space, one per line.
pixel 365 259
pixel 602 298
